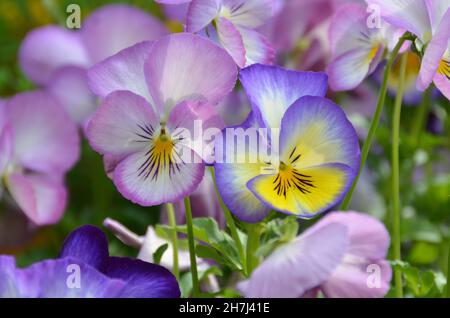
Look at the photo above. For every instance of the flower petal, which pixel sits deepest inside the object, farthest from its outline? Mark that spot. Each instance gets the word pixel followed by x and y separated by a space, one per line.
pixel 58 279
pixel 8 282
pixel 368 236
pixel 87 244
pixel 45 138
pixel 304 192
pixel 273 89
pixel 46 49
pixel 159 175
pixel 200 122
pixel 123 71
pixel 257 47
pixel 131 25
pixel 204 70
pixel 411 15
pixel 231 39
pixel 143 279
pixel 41 198
pixel 235 165
pixel 437 10
pixel 201 13
pixel 124 123
pixel 247 13
pixel 435 53
pixel 348 70
pixel 316 131
pixel 69 85
pixel 6 149
pixel 353 280
pixel 293 269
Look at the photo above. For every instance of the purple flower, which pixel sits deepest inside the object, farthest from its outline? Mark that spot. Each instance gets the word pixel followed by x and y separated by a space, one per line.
pixel 313 160
pixel 232 23
pixel 343 255
pixel 429 20
pixel 39 143
pixel 57 58
pixel 150 92
pixel 84 269
pixel 357 48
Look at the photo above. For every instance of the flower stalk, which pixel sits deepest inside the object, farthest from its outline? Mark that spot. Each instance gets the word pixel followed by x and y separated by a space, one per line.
pixel 174 237
pixel 396 240
pixel 376 118
pixel 191 243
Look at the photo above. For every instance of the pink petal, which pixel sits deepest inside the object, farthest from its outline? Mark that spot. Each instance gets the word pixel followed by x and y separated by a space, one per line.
pixel 119 122
pixel 257 47
pixel 70 86
pixel 45 138
pixel 201 13
pixel 161 187
pixel 6 149
pixel 249 13
pixel 296 268
pixel 359 280
pixel 411 15
pixel 434 53
pixel 200 120
pixel 46 49
pixel 231 39
pixel 348 70
pixel 204 70
pixel 123 71
pixel 115 27
pixel 41 198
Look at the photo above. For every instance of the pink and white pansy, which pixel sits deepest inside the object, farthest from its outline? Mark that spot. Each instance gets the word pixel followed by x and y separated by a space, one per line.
pixel 150 93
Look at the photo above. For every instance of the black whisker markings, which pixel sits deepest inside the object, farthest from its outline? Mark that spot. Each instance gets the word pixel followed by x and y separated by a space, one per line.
pixel 301 182
pixel 296 158
pixel 292 152
pixel 445 70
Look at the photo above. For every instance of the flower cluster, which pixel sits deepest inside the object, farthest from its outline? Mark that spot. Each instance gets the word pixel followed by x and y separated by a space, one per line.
pixel 251 136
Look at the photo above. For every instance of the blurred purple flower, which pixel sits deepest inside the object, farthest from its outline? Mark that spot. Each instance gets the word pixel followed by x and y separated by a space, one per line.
pixel 39 143
pixel 232 23
pixel 85 253
pixel 356 47
pixel 429 20
pixel 343 255
pixel 57 58
pixel 149 92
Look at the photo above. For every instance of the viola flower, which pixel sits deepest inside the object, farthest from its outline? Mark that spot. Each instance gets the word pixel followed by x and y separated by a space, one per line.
pixel 318 151
pixel 343 255
pixel 85 251
pixel 232 23
pixel 150 92
pixel 57 59
pixel 39 143
pixel 429 20
pixel 356 48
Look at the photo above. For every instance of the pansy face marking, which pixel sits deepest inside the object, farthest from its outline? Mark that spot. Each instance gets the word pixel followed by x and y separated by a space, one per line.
pixel 163 157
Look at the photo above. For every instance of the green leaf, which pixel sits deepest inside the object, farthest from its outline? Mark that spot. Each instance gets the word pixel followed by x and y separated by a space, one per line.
pixel 159 253
pixel 421 283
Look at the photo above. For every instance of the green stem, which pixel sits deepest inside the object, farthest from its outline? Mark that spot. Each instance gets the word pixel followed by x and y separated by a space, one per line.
pixel 375 119
pixel 420 116
pixel 190 230
pixel 396 176
pixel 253 239
pixel 231 225
pixel 173 224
